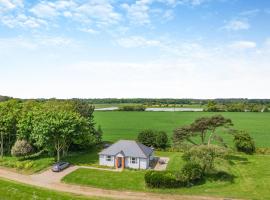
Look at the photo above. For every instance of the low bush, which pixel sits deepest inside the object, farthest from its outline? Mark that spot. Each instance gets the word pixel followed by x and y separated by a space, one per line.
pixel 189 175
pixel 191 172
pixel 21 148
pixel 244 143
pixel 162 179
pixel 204 155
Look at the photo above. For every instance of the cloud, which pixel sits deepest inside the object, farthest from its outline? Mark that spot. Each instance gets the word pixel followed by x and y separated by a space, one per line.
pixel 89 30
pixel 243 45
pixel 193 2
pixel 250 13
pixel 10 4
pixel 35 43
pixel 236 25
pixel 138 41
pixel 138 13
pixel 21 20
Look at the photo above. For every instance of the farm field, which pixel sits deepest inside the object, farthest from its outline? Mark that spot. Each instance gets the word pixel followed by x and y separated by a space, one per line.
pixel 250 178
pixel 10 190
pixel 126 125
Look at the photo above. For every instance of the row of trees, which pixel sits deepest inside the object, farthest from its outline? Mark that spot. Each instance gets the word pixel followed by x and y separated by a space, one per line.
pixel 52 126
pixel 213 106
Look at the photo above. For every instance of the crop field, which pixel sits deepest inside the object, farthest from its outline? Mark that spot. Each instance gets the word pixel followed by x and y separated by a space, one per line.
pixel 126 125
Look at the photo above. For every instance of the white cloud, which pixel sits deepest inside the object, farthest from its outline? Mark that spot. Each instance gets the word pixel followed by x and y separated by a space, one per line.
pixel 243 45
pixel 138 13
pixel 34 43
pixel 89 30
pixel 250 13
pixel 236 25
pixel 44 10
pixel 23 21
pixel 137 41
pixel 10 4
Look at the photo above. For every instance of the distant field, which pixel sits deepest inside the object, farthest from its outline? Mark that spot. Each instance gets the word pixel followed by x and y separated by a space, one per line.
pixel 126 125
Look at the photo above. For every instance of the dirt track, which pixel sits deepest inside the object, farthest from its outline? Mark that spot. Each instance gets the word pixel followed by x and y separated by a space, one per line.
pixel 51 180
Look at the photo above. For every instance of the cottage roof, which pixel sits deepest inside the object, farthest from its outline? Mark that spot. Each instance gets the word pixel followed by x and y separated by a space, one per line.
pixel 129 148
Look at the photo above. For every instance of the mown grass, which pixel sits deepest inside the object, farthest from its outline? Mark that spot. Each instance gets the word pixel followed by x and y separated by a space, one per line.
pixel 245 177
pixel 126 125
pixel 10 190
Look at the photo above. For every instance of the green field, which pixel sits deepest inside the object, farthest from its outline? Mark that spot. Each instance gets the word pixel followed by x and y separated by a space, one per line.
pixel 10 190
pixel 126 125
pixel 250 178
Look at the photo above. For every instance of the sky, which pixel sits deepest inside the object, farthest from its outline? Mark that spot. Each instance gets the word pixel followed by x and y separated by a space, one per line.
pixel 135 48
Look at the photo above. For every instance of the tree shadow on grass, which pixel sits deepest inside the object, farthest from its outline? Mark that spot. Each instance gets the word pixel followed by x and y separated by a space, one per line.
pixel 220 176
pixel 235 159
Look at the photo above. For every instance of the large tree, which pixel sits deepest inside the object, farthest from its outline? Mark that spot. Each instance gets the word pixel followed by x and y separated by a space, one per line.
pixel 58 129
pixel 8 117
pixel 202 127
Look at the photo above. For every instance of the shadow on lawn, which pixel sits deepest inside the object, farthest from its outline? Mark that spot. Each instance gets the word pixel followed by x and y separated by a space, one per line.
pixel 220 176
pixel 235 159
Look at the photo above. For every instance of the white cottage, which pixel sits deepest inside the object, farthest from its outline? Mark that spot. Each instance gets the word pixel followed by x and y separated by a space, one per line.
pixel 127 154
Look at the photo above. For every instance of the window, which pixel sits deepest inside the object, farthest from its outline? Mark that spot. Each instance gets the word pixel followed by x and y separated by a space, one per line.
pixel 133 160
pixel 108 158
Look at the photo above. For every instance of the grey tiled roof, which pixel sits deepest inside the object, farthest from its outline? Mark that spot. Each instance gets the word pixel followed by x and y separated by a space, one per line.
pixel 129 148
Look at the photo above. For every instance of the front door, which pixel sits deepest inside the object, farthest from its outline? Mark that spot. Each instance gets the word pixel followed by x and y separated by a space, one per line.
pixel 119 162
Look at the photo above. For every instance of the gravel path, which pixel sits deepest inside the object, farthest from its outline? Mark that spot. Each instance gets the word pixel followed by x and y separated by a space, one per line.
pixel 52 181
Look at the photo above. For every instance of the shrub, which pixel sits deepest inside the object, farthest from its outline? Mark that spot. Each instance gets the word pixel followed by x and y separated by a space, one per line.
pixel 147 137
pixel 244 143
pixel 161 140
pixel 161 179
pixel 191 172
pixel 204 155
pixel 21 148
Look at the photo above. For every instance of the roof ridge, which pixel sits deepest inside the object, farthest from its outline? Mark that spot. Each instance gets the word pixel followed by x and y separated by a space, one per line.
pixel 139 145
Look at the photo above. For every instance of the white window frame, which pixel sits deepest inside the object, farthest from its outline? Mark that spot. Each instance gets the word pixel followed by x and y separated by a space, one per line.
pixel 108 158
pixel 133 160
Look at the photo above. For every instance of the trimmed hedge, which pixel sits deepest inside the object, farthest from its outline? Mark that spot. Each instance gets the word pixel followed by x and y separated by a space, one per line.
pixel 162 179
pixel 189 175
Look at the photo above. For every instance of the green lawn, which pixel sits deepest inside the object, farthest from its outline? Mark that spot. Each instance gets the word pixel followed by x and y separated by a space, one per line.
pixel 27 166
pixel 126 125
pixel 251 178
pixel 10 190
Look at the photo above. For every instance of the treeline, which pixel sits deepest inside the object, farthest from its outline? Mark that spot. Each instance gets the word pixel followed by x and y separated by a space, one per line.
pixel 52 126
pixel 156 101
pixel 213 106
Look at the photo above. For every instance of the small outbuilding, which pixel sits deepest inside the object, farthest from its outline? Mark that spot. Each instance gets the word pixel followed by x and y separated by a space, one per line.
pixel 127 154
